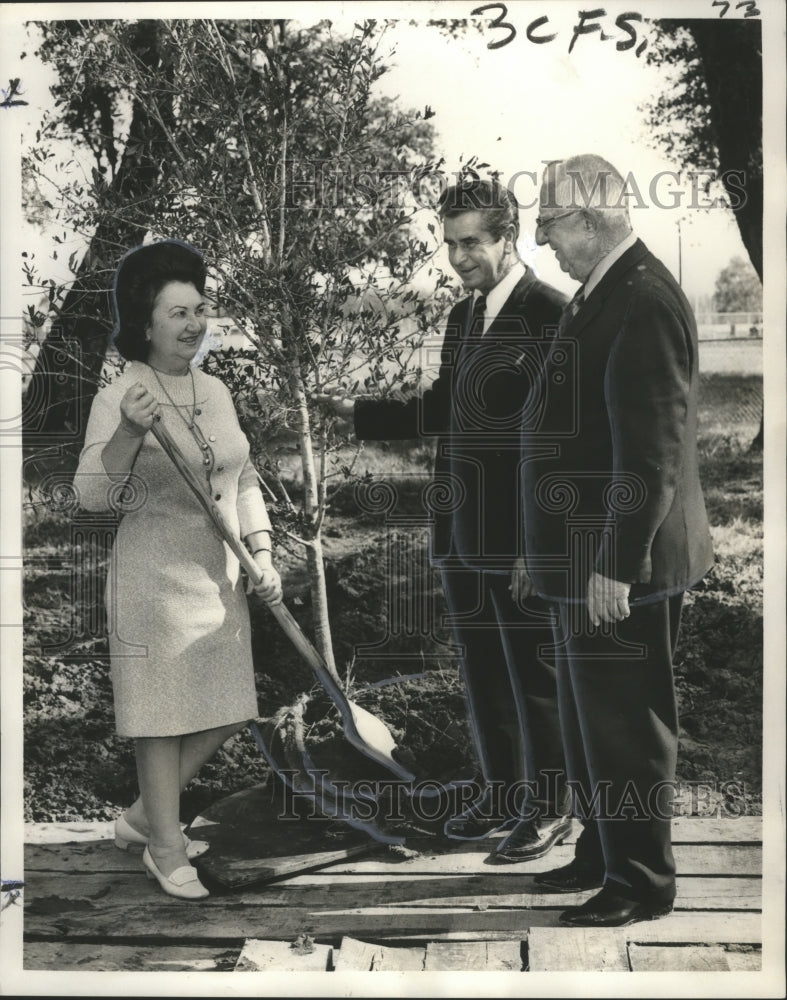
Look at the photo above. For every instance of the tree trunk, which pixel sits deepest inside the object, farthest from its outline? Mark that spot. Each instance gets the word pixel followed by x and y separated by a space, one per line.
pixel 736 113
pixel 71 358
pixel 314 557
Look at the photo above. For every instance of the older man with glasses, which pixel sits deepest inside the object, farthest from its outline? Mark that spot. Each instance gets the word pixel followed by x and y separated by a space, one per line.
pixel 615 532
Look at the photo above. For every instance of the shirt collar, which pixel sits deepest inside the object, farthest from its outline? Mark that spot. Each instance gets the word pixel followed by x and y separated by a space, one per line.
pixel 606 263
pixel 498 296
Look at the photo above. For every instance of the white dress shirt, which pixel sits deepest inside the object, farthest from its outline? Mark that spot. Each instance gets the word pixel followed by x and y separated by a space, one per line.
pixel 606 263
pixel 497 297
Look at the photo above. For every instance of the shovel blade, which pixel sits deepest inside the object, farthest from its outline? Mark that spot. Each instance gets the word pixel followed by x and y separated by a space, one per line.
pixel 372 737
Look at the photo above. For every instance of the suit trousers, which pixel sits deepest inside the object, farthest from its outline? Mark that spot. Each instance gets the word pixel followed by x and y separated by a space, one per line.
pixel 511 690
pixel 618 714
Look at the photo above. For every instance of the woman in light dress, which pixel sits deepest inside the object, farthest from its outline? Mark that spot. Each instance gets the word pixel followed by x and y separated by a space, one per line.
pixel 178 622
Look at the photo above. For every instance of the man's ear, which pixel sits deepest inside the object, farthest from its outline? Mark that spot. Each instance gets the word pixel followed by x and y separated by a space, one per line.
pixel 590 222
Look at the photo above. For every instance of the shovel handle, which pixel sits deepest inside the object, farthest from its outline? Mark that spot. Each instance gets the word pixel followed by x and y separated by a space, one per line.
pixel 279 611
pixel 202 494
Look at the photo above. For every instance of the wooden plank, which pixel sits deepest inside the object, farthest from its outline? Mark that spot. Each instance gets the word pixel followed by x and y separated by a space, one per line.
pixel 685 830
pixel 577 949
pixel 700 893
pixel 678 958
pixel 450 956
pixel 699 928
pixel 356 956
pixel 460 860
pixel 130 907
pixel 734 929
pixel 434 857
pixel 283 956
pixel 749 960
pixel 165 919
pixel 70 955
pixel 706 830
pixel 505 957
pixel 71 832
pixel 495 935
pixel 82 856
pixel 359 956
pixel 473 956
pixel 399 960
pixel 691 859
pixel 731 830
pixel 351 891
pixel 240 865
pixel 156 917
pixel 484 891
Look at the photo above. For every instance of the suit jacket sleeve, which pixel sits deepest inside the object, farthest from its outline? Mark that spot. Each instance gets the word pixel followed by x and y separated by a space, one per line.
pixel 425 414
pixel 646 388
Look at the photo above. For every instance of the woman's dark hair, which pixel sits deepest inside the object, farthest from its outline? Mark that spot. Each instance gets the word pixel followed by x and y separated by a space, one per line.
pixel 499 205
pixel 140 276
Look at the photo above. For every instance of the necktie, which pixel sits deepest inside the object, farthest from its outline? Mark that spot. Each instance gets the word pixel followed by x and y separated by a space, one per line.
pixel 572 308
pixel 476 327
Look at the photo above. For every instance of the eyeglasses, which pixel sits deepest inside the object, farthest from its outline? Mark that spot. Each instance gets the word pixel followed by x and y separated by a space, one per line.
pixel 544 224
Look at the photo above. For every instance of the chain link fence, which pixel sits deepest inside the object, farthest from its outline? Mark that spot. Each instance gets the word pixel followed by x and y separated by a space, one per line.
pixel 731 367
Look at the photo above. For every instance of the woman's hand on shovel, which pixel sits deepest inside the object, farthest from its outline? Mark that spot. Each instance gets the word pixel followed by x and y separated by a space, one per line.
pixel 269 586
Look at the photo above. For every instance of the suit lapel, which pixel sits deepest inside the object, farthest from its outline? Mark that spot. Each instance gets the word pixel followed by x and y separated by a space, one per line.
pixel 594 302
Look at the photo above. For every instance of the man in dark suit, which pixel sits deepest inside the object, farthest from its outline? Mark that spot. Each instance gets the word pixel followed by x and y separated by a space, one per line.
pixel 493 348
pixel 615 532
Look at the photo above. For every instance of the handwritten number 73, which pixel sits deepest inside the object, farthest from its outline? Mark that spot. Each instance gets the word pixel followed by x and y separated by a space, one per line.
pixel 751 7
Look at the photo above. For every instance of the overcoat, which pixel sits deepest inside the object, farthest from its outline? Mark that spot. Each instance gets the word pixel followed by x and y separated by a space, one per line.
pixel 616 487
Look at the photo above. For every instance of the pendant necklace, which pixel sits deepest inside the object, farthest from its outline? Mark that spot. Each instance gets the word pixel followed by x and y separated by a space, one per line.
pixel 191 424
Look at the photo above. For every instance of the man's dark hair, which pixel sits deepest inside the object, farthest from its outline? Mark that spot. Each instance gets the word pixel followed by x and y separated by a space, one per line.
pixel 139 278
pixel 499 205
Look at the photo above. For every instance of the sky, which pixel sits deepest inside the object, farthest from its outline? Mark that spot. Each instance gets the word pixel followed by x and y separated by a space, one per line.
pixel 524 103
pixel 514 107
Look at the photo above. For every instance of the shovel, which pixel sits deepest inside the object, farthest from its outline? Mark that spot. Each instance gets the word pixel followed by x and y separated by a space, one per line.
pixel 364 731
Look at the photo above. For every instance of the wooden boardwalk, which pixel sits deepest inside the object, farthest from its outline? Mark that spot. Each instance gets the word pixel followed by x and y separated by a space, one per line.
pixel 89 906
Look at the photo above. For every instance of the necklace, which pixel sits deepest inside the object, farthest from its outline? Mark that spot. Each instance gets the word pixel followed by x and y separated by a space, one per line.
pixel 191 424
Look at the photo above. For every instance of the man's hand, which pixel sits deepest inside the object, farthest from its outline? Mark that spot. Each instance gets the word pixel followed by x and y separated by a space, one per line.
pixel 608 600
pixel 521 585
pixel 340 406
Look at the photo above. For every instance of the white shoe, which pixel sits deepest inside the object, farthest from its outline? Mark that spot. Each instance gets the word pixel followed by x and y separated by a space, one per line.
pixel 183 882
pixel 126 837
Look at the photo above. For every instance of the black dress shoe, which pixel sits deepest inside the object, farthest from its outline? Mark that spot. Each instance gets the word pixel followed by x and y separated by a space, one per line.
pixel 573 877
pixel 608 909
pixel 481 820
pixel 533 838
